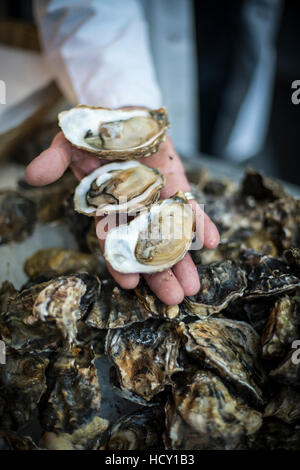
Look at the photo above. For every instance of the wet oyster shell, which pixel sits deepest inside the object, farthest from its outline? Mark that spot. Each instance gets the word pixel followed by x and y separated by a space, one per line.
pixel 288 372
pixel 10 440
pixel 206 416
pixel 22 384
pixel 49 200
pixel 118 308
pixel 282 328
pixel 267 275
pixel 220 284
pixel 124 187
pixel 45 315
pixel 100 131
pixel 17 217
pixel 53 262
pixel 88 437
pixel 73 392
pixel 145 356
pixel 7 294
pixel 140 430
pixel 285 405
pixel 231 348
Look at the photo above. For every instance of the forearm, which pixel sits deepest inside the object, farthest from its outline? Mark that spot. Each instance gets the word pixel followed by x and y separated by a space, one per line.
pixel 99 52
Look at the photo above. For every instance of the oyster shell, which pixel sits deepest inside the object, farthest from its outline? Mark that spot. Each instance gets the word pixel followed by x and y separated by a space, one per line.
pixel 155 240
pixel 59 261
pixel 140 430
pixel 288 372
pixel 145 356
pixel 285 405
pixel 261 187
pixel 22 384
pixel 17 217
pixel 115 134
pixel 276 435
pixel 267 275
pixel 282 328
pixel 10 440
pixel 206 416
pixel 221 283
pixel 118 187
pixel 88 437
pixel 118 308
pixel 45 315
pixel 73 392
pixel 229 347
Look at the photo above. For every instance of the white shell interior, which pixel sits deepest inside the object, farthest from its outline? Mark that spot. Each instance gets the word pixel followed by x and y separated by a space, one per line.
pixel 101 175
pixel 77 121
pixel 121 242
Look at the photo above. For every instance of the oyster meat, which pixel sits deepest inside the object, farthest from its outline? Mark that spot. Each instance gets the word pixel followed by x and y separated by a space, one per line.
pixel 118 187
pixel 115 134
pixel 155 240
pixel 206 416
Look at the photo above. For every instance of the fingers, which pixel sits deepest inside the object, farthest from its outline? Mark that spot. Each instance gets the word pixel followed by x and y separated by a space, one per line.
pixel 187 275
pixel 50 164
pixel 166 287
pixel 206 230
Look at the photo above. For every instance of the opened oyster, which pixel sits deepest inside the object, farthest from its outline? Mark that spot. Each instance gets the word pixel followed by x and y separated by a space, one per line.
pixel 118 187
pixel 155 240
pixel 115 134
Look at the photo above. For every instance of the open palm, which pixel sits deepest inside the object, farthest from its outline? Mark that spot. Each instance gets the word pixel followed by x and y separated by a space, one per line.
pixel 171 285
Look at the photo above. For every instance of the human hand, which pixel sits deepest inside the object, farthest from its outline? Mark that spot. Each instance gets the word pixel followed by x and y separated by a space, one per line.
pixel 171 285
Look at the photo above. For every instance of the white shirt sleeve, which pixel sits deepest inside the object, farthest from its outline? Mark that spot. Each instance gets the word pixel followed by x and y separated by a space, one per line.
pixel 99 51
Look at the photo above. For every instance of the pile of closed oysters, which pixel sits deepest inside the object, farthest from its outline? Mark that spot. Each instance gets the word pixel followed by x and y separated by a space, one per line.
pixel 219 371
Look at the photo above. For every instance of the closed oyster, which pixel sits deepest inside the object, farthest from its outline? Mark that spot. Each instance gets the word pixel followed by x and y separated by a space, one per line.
pixel 88 437
pixel 140 430
pixel 10 440
pixel 267 275
pixel 145 356
pixel 276 435
pixel 22 384
pixel 118 308
pixel 45 315
pixel 221 283
pixel 288 372
pixel 118 187
pixel 59 261
pixel 282 328
pixel 205 415
pixel 17 217
pixel 229 347
pixel 285 405
pixel 73 392
pixel 7 294
pixel 155 240
pixel 115 134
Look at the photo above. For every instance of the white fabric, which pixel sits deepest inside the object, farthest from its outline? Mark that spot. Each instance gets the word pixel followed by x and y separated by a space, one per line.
pixel 98 51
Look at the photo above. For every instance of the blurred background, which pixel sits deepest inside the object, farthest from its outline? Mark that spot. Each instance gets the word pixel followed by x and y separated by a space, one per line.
pixel 225 70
